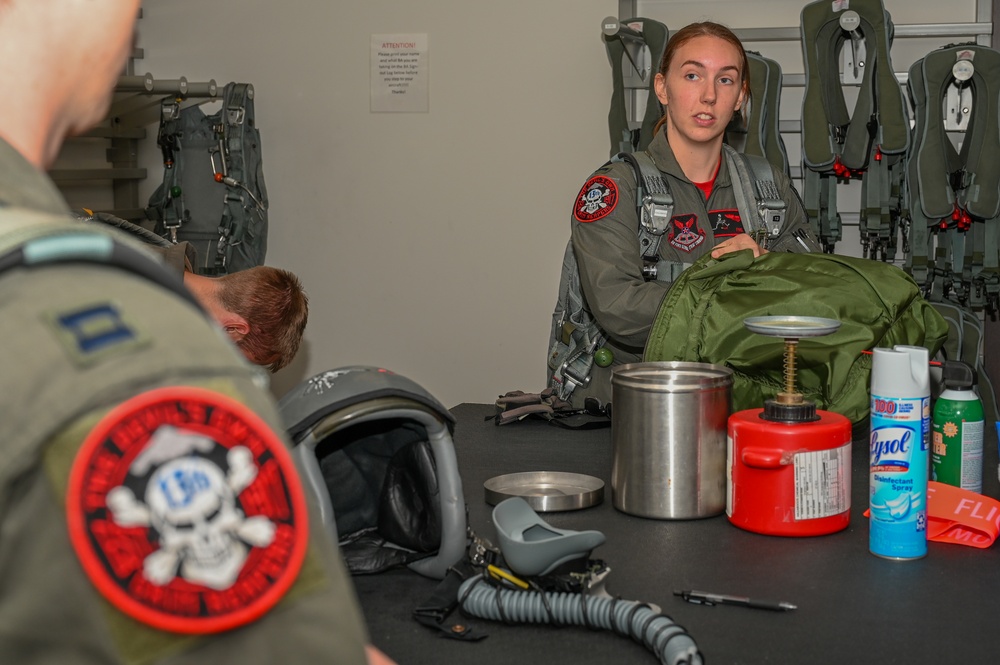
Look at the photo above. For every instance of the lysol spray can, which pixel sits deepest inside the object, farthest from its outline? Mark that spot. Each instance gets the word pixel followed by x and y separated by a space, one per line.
pixel 899 454
pixel 957 448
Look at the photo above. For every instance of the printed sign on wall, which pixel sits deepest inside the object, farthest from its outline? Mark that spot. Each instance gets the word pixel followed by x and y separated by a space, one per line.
pixel 399 75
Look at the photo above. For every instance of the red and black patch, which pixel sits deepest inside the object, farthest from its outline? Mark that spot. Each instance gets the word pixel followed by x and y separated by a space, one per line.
pixel 726 223
pixel 597 199
pixel 186 511
pixel 684 233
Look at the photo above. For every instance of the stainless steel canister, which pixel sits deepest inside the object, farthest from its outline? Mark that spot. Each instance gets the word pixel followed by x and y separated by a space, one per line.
pixel 668 427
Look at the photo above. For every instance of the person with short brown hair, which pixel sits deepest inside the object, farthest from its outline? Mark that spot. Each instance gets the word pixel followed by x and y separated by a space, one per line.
pixel 264 311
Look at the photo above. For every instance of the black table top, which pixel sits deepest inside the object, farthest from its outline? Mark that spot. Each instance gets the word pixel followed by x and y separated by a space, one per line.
pixel 853 607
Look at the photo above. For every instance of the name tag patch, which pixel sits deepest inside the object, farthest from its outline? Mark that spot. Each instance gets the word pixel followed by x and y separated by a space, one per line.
pixel 726 223
pixel 186 511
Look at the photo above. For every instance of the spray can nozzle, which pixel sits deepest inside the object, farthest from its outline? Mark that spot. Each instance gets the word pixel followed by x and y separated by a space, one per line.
pixel 958 375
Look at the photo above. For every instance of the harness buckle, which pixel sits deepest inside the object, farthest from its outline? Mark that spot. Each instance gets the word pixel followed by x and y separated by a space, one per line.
pixel 657 209
pixel 959 179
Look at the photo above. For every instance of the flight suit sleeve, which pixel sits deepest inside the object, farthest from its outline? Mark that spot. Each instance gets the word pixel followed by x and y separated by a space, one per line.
pixel 131 429
pixel 796 235
pixel 605 241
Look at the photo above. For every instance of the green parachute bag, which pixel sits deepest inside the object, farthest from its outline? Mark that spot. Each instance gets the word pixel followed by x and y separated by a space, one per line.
pixel 877 304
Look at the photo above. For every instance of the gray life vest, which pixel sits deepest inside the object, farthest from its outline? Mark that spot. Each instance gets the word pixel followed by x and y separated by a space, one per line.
pixel 763 136
pixel 623 45
pixel 871 141
pixel 954 195
pixel 575 335
pixel 829 132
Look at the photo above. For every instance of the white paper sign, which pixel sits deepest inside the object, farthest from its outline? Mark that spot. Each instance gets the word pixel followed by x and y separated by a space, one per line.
pixel 399 76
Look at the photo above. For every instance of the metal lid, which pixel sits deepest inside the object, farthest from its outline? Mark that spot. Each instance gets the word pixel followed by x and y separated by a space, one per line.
pixel 672 376
pixel 547 491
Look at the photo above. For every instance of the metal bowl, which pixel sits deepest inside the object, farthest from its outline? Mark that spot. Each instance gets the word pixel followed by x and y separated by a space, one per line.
pixel 547 491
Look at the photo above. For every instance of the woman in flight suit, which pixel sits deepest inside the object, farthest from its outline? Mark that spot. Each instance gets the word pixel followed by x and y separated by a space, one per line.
pixel 702 81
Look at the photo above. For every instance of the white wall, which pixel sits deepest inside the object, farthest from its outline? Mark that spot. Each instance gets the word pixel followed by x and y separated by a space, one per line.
pixel 431 243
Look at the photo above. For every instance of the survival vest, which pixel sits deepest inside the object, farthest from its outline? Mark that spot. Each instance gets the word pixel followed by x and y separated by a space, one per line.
pixel 954 195
pixel 575 335
pixel 213 192
pixel 840 145
pixel 877 304
pixel 629 44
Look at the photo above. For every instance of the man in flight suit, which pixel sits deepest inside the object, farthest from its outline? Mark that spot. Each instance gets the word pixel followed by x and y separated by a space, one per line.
pixel 150 511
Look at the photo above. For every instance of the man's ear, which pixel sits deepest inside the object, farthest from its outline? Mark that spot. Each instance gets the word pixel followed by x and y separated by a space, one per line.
pixel 235 326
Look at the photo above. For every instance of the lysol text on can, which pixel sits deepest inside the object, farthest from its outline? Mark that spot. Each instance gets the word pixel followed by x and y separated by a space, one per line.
pixel 899 452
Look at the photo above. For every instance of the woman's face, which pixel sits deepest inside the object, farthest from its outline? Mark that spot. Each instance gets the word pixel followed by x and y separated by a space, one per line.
pixel 701 90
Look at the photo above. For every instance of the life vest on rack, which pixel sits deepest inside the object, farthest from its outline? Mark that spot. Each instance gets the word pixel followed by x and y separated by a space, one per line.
pixel 879 115
pixel 653 35
pixel 954 193
pixel 762 125
pixel 870 141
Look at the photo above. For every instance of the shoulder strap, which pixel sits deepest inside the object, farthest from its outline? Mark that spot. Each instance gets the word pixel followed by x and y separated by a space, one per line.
pixel 761 206
pixel 654 207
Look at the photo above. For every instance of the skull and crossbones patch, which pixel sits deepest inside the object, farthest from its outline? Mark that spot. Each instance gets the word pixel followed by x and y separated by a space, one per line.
pixel 596 200
pixel 186 511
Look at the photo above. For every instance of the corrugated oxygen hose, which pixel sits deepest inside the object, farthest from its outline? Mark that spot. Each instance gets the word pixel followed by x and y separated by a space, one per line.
pixel 629 618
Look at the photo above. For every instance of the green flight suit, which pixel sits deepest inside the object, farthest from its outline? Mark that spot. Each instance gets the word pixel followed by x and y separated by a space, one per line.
pixel 610 262
pixel 53 395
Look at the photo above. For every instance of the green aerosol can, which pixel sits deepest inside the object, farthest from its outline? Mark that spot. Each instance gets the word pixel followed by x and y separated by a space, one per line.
pixel 957 430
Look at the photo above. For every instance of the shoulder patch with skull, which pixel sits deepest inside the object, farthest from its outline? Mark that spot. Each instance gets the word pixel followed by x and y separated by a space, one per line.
pixel 186 511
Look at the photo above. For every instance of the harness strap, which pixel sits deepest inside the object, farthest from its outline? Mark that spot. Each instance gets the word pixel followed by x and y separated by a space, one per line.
pixel 655 208
pixel 753 183
pixel 167 139
pixel 237 98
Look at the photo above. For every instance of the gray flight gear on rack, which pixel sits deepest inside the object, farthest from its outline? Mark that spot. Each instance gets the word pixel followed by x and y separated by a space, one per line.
pixel 955 195
pixel 36 240
pixel 213 192
pixel 624 45
pixel 575 336
pixel 376 450
pixel 763 136
pixel 871 140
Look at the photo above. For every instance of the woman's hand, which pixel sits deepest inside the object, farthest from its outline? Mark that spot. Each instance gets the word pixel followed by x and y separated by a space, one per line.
pixel 736 244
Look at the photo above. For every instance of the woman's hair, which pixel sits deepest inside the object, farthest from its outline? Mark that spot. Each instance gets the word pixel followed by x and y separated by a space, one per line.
pixel 274 305
pixel 705 29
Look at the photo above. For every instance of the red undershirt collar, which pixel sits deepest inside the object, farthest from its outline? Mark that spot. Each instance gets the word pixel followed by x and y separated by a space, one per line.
pixel 706 187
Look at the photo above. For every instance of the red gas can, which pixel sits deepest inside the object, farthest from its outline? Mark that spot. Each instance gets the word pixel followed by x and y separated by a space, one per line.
pixel 789 478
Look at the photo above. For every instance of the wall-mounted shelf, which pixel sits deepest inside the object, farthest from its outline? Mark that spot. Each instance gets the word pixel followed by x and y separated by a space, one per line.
pixel 135 106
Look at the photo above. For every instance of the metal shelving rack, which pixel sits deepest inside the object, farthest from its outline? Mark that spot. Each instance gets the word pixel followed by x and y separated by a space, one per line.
pixel 136 106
